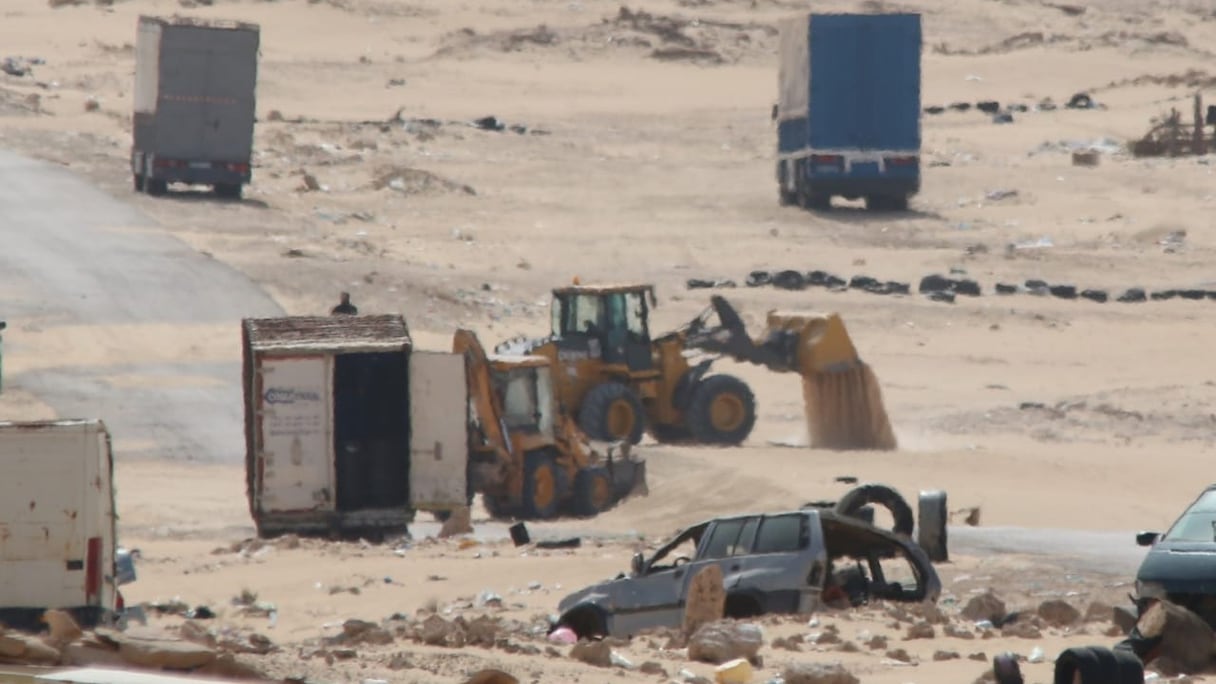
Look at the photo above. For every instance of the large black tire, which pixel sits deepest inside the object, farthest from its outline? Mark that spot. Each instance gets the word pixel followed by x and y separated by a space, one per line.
pixel 1006 670
pixel 592 492
pixel 881 495
pixel 931 518
pixel 1095 664
pixel 542 486
pixel 496 508
pixel 612 412
pixel 722 411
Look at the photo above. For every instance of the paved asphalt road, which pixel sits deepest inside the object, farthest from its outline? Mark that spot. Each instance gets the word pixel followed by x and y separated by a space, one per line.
pixel 59 242
pixel 68 256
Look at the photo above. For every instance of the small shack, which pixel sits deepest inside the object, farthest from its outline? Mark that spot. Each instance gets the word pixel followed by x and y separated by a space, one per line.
pixel 348 428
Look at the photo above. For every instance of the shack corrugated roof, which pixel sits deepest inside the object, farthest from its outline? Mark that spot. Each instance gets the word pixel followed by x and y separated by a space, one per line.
pixel 179 20
pixel 327 333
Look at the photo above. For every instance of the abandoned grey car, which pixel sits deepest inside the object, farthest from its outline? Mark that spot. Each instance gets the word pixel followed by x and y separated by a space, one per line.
pixel 771 563
pixel 1181 564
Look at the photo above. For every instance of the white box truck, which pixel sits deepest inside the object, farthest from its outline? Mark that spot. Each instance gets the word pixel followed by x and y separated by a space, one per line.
pixel 195 101
pixel 58 541
pixel 348 428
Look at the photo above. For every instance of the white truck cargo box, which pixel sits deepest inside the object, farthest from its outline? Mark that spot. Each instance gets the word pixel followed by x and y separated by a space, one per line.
pixel 57 521
pixel 347 428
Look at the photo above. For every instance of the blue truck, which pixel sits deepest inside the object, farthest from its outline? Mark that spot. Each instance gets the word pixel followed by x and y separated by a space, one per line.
pixel 848 110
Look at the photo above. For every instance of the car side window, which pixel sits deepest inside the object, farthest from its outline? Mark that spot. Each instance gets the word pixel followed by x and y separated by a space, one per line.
pixel 747 537
pixel 780 534
pixel 722 539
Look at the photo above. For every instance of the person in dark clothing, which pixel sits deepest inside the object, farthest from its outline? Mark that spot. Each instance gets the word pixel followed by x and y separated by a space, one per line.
pixel 345 308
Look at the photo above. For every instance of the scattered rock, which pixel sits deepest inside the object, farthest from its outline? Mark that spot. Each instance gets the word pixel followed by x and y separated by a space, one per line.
pixel 900 655
pixel 597 653
pixel 458 522
pixel 945 655
pixel 165 654
pixel 921 630
pixel 1098 611
pixel 1058 613
pixel 877 642
pixel 1022 629
pixel 818 673
pixel 956 632
pixel 724 640
pixel 979 656
pixel 650 667
pixel 985 606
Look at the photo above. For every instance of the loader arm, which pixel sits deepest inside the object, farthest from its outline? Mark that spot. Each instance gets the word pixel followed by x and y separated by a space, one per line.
pixel 489 410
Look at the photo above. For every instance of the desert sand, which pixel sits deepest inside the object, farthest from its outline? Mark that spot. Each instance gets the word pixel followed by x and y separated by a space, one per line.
pixel 636 168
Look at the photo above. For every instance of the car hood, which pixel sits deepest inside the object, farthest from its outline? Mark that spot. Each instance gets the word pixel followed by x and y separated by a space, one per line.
pixel 592 594
pixel 1183 567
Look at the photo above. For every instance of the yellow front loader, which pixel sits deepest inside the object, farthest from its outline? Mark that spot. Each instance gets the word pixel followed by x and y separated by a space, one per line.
pixel 527 459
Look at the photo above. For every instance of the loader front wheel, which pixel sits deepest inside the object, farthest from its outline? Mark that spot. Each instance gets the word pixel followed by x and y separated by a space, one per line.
pixel 722 411
pixel 612 412
pixel 592 492
pixel 540 495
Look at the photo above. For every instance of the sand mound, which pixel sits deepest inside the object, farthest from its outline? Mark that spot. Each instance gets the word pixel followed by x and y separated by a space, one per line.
pixel 410 181
pixel 658 36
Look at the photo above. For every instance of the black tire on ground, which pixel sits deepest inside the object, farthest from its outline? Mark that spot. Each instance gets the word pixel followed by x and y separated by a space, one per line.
pixel 612 412
pixel 138 182
pixel 156 186
pixel 1006 669
pixel 228 190
pixel 722 411
pixel 1094 663
pixel 497 508
pixel 881 495
pixel 931 518
pixel 592 492
pixel 542 486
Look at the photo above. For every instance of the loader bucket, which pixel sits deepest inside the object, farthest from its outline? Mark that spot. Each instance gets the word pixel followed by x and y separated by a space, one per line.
pixel 843 400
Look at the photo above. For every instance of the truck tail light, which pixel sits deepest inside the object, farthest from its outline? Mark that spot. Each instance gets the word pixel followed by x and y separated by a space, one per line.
pixel 903 161
pixel 92 569
pixel 827 159
pixel 237 168
pixel 169 164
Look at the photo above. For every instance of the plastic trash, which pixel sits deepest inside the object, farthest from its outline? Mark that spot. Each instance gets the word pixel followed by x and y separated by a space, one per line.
pixel 563 635
pixel 1036 655
pixel 737 671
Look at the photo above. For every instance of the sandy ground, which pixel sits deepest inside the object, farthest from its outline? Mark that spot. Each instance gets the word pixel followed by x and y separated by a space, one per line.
pixel 639 168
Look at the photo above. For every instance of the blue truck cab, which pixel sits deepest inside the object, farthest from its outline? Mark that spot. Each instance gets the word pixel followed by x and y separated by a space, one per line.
pixel 848 110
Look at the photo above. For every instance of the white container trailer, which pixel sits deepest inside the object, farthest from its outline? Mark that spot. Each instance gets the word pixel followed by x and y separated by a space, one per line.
pixel 348 428
pixel 57 521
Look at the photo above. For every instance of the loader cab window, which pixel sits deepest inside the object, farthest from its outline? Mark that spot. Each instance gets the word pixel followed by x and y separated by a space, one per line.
pixel 579 315
pixel 520 400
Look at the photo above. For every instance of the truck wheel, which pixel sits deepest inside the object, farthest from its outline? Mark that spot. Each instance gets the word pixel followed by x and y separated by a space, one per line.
pixel 816 201
pixel 497 509
pixel 541 493
pixel 592 492
pixel 138 182
pixel 612 412
pixel 881 495
pixel 931 525
pixel 228 190
pixel 722 411
pixel 156 186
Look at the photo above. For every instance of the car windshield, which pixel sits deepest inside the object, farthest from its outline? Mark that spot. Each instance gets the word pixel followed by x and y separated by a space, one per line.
pixel 1197 523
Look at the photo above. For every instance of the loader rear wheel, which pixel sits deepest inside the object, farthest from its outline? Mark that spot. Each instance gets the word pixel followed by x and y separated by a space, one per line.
pixel 592 492
pixel 612 412
pixel 541 486
pixel 722 411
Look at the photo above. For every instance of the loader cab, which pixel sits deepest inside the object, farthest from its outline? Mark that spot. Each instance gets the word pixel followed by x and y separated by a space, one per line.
pixel 610 323
pixel 525 388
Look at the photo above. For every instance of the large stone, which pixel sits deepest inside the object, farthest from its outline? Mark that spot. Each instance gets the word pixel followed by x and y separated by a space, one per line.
pixel 597 653
pixel 985 606
pixel 1058 613
pixel 28 649
pixel 725 640
pixel 1187 642
pixel 91 655
pixel 706 599
pixel 818 673
pixel 459 522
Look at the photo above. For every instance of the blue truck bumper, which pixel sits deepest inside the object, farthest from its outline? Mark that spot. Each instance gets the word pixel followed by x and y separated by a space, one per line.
pixel 197 172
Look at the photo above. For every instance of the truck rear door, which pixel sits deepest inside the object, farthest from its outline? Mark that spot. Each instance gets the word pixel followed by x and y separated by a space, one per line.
pixel 295 428
pixel 439 442
pixel 228 95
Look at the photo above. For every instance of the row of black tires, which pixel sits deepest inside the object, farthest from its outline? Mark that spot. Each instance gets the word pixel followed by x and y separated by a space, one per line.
pixel 1088 664
pixel 705 419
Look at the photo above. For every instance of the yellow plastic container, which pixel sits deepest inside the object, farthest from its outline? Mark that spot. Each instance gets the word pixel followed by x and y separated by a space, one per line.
pixel 737 671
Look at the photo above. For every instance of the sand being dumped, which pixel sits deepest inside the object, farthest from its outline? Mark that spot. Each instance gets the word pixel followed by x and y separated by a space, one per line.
pixel 844 410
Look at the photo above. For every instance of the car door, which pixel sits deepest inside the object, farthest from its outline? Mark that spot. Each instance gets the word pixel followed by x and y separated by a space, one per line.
pixel 720 546
pixel 654 598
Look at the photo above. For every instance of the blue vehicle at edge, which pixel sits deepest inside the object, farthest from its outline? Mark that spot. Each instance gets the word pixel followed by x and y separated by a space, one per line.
pixel 848 111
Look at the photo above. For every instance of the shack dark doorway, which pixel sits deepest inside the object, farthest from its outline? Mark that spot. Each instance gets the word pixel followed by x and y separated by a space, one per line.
pixel 371 430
